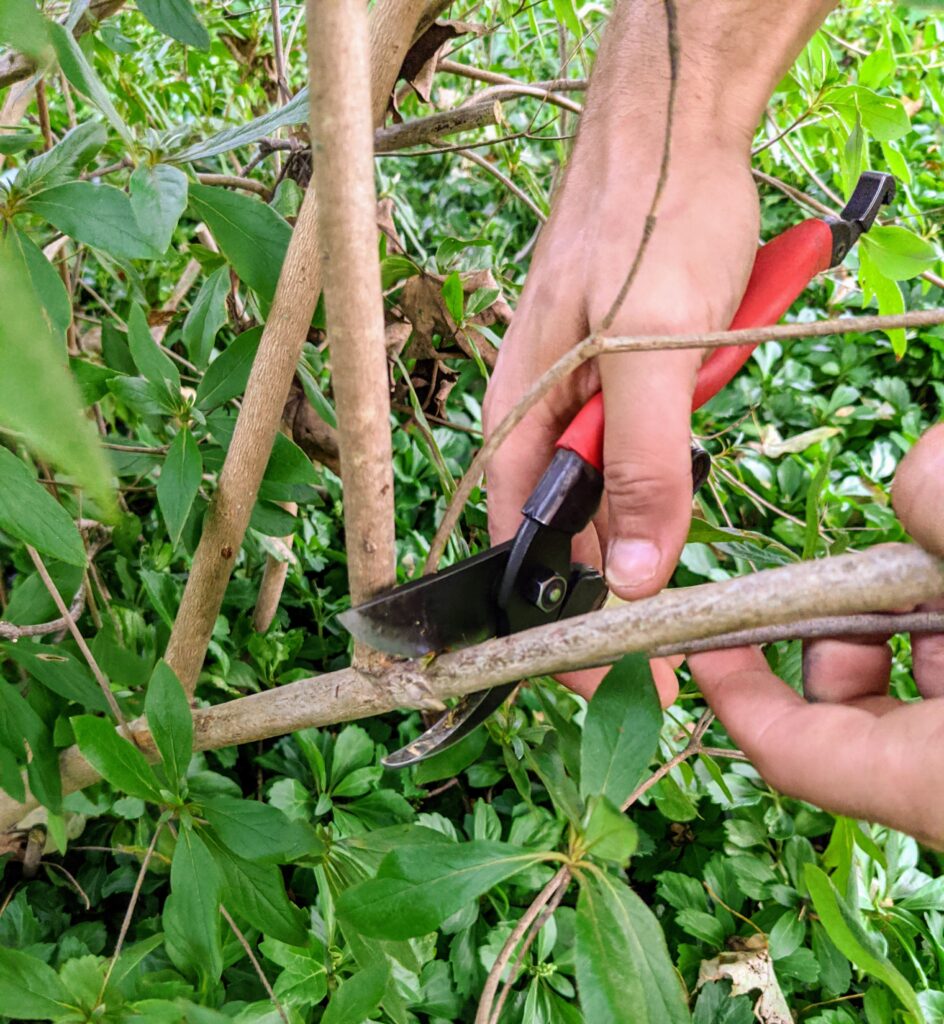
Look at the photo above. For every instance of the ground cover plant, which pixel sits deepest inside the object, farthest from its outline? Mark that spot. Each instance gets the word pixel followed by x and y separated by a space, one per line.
pixel 248 857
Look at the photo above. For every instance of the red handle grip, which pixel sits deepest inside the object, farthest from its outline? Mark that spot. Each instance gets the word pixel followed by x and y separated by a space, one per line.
pixel 782 270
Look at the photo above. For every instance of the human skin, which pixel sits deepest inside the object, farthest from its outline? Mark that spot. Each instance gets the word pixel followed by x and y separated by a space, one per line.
pixel 732 53
pixel 850 747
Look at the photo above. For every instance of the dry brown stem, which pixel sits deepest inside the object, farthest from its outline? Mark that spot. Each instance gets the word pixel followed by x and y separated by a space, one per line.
pixel 881 579
pixel 392 23
pixel 594 346
pixel 343 176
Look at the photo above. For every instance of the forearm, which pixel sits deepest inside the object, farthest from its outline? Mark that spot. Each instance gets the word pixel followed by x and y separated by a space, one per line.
pixel 730 56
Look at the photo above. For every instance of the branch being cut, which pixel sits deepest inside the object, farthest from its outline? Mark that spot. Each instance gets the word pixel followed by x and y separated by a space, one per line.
pixel 392 24
pixel 343 176
pixel 881 579
pixel 593 346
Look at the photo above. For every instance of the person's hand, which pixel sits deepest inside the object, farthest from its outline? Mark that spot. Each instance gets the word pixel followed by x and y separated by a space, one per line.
pixel 850 747
pixel 694 273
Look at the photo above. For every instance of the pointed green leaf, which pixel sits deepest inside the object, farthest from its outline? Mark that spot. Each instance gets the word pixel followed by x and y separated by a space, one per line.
pixel 116 759
pixel 151 360
pixel 260 831
pixel 30 989
pixel 621 957
pixel 418 887
pixel 82 76
pixel 251 235
pixel 176 18
pixel 256 893
pixel 98 215
pixel 899 254
pixel 226 376
pixel 20 726
pixel 32 362
pixel 207 315
pixel 179 482
pixel 843 926
pixel 621 731
pixel 357 998
pixel 64 161
pixel 170 720
pixel 158 198
pixel 46 282
pixel 192 911
pixel 23 28
pixel 30 513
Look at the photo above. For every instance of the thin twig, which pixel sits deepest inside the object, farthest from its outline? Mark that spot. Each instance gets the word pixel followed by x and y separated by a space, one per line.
pixel 252 956
pixel 453 67
pixel 533 933
pixel 693 747
pixel 593 346
pixel 280 79
pixel 100 676
pixel 235 181
pixel 11 631
pixel 671 20
pixel 129 913
pixel 484 1012
pixel 72 880
pixel 506 181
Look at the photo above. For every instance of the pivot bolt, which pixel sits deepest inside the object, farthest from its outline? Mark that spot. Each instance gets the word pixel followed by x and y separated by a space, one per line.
pixel 546 590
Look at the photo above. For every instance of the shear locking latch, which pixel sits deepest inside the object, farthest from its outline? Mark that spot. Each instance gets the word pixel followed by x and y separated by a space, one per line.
pixel 873 191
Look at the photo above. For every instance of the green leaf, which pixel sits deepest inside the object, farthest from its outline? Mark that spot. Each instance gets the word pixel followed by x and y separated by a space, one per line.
pixel 58 671
pixel 608 833
pixel 621 957
pixel 357 998
pixel 226 376
pixel 30 513
pixel 82 76
pixel 23 28
pixel 887 296
pixel 21 725
pixel 179 482
pixel 705 927
pixel 46 282
pixel 251 235
pixel 158 198
pixel 176 18
pixel 898 253
pixel 116 759
pixel 842 925
pixel 207 315
pixel 64 161
pixel 454 297
pixel 32 362
pixel 30 989
pixel 151 360
pixel 418 887
pixel 260 832
pixel 883 117
pixel 304 978
pixel 98 215
pixel 256 893
pixel 170 720
pixel 621 732
pixel 294 112
pixel 192 911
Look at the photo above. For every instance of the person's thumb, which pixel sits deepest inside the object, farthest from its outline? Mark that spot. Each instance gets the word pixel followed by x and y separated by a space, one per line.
pixel 647 466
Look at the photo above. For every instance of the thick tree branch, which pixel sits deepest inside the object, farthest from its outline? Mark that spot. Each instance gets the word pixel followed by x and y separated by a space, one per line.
pixel 593 346
pixel 424 131
pixel 392 24
pixel 343 176
pixel 881 579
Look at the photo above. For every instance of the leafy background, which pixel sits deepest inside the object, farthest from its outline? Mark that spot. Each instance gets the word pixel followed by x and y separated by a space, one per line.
pixel 364 894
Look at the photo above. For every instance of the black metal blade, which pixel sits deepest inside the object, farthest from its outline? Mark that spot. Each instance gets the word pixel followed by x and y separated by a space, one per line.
pixel 452 726
pixel 452 608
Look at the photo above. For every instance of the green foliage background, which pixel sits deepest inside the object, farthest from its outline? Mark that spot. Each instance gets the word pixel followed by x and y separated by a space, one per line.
pixel 365 894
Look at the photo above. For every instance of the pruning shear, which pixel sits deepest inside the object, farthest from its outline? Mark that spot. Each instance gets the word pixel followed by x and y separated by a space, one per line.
pixel 530 580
